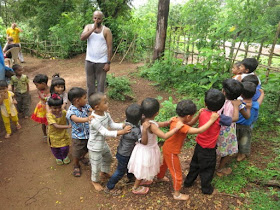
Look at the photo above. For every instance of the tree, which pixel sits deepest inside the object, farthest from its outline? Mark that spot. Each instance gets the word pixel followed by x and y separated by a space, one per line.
pixel 163 10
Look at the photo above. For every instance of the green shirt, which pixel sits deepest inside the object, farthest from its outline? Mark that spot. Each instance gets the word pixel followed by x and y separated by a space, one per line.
pixel 20 84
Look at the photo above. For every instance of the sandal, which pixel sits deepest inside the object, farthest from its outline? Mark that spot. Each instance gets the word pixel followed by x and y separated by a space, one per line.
pixel 140 190
pixel 66 160
pixel 181 197
pixel 113 192
pixel 59 162
pixel 77 172
pixel 146 182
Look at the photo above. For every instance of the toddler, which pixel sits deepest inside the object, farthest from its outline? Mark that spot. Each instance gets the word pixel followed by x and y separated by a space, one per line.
pixel 20 87
pixel 99 151
pixel 8 109
pixel 58 137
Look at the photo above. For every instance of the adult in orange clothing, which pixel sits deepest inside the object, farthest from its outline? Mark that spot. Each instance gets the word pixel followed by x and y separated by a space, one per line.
pixel 14 33
pixel 171 149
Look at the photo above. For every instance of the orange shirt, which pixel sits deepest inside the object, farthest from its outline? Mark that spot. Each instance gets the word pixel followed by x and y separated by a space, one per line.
pixel 174 143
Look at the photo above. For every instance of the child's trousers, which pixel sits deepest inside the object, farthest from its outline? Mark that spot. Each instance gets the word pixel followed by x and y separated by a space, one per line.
pixel 244 136
pixel 23 103
pixel 60 152
pixel 7 122
pixel 203 164
pixel 100 162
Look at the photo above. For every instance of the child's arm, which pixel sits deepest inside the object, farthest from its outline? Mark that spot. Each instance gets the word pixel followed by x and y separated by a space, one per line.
pixel 105 132
pixel 64 106
pixel 76 119
pixel 260 99
pixel 113 125
pixel 163 135
pixel 203 128
pixel 144 139
pixel 195 119
pixel 61 126
pixel 2 97
pixel 27 87
pixel 14 100
pixel 236 104
pixel 163 124
pixel 41 95
pixel 246 113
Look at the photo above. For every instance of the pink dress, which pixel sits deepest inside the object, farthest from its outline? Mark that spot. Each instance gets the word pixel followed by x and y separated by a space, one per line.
pixel 145 161
pixel 227 140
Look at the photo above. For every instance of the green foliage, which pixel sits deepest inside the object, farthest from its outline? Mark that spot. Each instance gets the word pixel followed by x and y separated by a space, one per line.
pixel 118 87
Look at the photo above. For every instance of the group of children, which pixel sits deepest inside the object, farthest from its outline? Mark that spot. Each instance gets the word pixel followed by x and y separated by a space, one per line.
pixel 225 128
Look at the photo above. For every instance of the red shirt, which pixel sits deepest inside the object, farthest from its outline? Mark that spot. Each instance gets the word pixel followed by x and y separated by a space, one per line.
pixel 174 143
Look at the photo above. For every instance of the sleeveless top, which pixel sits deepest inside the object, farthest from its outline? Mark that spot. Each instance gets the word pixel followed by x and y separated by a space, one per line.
pixel 97 47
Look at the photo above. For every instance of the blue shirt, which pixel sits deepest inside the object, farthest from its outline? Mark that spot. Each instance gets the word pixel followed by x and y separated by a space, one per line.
pixel 79 130
pixel 257 94
pixel 253 116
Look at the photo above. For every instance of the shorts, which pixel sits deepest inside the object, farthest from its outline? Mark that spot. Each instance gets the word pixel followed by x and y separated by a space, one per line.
pixel 79 147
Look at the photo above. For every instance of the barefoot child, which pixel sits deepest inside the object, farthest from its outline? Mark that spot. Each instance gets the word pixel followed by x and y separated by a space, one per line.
pixel 144 162
pixel 172 146
pixel 39 114
pixel 58 137
pixel 78 115
pixel 99 151
pixel 8 109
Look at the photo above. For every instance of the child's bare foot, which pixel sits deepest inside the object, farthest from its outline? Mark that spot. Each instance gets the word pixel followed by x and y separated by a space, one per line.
pixel 18 126
pixel 164 179
pixel 224 171
pixel 215 192
pixel 181 197
pixel 7 136
pixel 97 186
pixel 240 157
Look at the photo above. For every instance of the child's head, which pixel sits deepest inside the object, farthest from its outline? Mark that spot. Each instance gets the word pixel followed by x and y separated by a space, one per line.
pixel 186 109
pixel 133 114
pixel 3 85
pixel 236 68
pixel 249 90
pixel 150 107
pixel 17 69
pixel 249 65
pixel 214 99
pixel 41 81
pixel 57 85
pixel 232 88
pixel 251 78
pixel 77 96
pixel 98 102
pixel 55 102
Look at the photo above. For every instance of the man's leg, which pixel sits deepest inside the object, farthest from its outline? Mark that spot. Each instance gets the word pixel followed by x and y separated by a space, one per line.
pixel 90 76
pixel 100 77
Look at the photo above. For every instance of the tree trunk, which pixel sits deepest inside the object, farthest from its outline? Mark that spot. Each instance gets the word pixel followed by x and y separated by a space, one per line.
pixel 163 10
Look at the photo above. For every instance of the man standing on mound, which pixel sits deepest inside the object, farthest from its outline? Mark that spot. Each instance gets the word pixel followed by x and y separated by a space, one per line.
pixel 99 53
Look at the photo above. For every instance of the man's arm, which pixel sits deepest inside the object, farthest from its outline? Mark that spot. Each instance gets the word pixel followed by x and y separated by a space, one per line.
pixel 87 32
pixel 109 41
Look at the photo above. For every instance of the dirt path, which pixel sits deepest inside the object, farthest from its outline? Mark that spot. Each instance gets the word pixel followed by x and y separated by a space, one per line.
pixel 30 178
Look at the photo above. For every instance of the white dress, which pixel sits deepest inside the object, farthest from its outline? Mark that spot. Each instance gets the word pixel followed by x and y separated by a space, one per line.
pixel 145 161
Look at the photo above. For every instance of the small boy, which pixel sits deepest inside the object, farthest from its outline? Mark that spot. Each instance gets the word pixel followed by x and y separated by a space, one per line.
pixel 243 126
pixel 204 158
pixel 20 87
pixel 133 116
pixel 78 115
pixel 8 109
pixel 171 149
pixel 99 151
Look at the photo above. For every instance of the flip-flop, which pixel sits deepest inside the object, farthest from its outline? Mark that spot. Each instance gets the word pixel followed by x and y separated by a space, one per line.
pixel 77 172
pixel 146 182
pixel 140 190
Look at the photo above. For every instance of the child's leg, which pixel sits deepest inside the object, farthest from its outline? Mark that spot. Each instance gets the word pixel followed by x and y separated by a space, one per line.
pixel 7 124
pixel 224 161
pixel 57 153
pixel 244 134
pixel 44 129
pixel 96 162
pixel 15 121
pixel 19 98
pixel 106 160
pixel 163 169
pixel 26 104
pixel 64 152
pixel 194 168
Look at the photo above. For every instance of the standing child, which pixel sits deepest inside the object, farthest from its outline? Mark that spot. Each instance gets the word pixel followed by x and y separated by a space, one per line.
pixel 58 137
pixel 39 114
pixel 204 158
pixel 144 162
pixel 20 87
pixel 8 109
pixel 236 71
pixel 172 146
pixel 99 151
pixel 79 116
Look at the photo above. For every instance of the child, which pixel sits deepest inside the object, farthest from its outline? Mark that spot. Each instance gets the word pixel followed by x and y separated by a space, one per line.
pixel 236 71
pixel 99 151
pixel 144 162
pixel 243 129
pixel 133 116
pixel 39 114
pixel 8 109
pixel 204 158
pixel 58 87
pixel 172 146
pixel 254 79
pixel 78 115
pixel 58 137
pixel 20 87
pixel 227 142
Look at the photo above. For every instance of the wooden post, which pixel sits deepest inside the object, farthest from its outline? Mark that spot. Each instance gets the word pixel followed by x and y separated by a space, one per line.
pixel 117 48
pixel 188 50
pixel 233 60
pixel 192 51
pixel 260 50
pixel 184 58
pixel 246 50
pixel 231 52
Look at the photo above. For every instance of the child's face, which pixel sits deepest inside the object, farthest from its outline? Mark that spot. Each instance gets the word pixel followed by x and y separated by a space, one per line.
pixel 4 92
pixel 103 106
pixel 243 69
pixel 82 101
pixel 235 70
pixel 19 71
pixel 56 110
pixel 40 86
pixel 59 89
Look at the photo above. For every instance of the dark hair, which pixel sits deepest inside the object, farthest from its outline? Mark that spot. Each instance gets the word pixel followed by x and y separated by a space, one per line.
pixel 3 84
pixel 185 107
pixel 214 99
pixel 41 78
pixel 251 78
pixel 133 114
pixel 75 93
pixel 56 80
pixel 15 67
pixel 95 99
pixel 233 88
pixel 250 63
pixel 150 106
pixel 55 100
pixel 249 90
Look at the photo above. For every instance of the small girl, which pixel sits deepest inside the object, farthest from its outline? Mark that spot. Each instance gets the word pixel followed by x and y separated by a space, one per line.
pixel 58 87
pixel 8 109
pixel 144 162
pixel 39 115
pixel 236 71
pixel 58 137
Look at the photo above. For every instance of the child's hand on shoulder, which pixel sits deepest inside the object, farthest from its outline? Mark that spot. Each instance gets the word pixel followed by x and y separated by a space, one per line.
pixel 69 126
pixel 127 128
pixel 90 117
pixel 248 104
pixel 201 110
pixel 14 101
pixel 179 125
pixel 214 116
pixel 236 103
pixel 146 125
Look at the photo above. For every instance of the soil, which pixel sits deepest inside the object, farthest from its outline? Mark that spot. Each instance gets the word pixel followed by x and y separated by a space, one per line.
pixel 31 179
